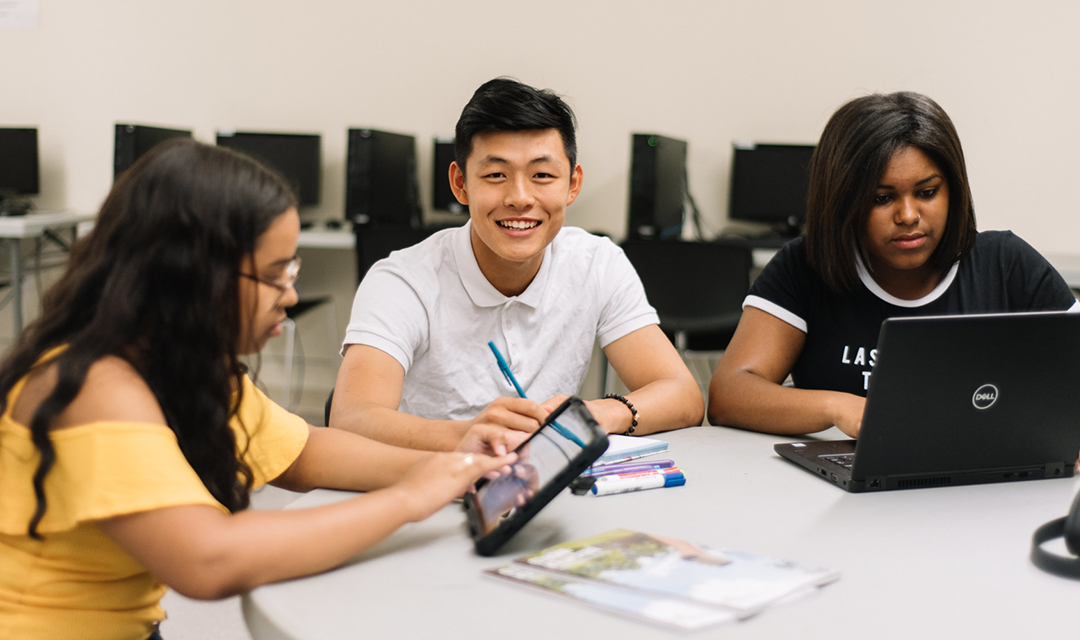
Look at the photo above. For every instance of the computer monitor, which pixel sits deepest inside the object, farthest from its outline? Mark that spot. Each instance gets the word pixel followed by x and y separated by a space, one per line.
pixel 442 197
pixel 134 140
pixel 296 156
pixel 658 188
pixel 380 179
pixel 769 184
pixel 19 172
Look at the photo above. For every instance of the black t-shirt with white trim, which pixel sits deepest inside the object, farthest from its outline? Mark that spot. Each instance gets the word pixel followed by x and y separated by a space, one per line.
pixel 1001 274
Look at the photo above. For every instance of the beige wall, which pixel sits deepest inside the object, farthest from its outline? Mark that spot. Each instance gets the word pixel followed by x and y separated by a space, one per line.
pixel 706 70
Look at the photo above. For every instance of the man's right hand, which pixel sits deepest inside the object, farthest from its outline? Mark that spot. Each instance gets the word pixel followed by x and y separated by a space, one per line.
pixel 490 439
pixel 502 426
pixel 517 414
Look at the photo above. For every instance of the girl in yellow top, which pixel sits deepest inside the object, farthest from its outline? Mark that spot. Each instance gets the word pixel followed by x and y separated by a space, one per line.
pixel 130 436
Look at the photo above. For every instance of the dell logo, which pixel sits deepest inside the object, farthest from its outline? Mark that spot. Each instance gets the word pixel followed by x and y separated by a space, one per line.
pixel 985 396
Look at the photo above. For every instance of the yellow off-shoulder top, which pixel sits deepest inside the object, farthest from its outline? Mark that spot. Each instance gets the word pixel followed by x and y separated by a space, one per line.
pixel 76 583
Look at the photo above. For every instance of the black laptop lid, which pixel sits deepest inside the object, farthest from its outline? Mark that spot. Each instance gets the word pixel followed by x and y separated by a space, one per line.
pixel 956 393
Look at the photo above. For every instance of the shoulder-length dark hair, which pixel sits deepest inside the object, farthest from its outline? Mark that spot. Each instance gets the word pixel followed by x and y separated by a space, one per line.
pixel 855 148
pixel 156 283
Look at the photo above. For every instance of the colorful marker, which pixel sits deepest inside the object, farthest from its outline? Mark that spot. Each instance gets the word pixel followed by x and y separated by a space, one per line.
pixel 609 485
pixel 628 467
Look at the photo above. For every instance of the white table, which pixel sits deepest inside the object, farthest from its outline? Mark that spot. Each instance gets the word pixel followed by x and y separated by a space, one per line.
pixel 927 563
pixel 35 225
pixel 323 237
pixel 1068 266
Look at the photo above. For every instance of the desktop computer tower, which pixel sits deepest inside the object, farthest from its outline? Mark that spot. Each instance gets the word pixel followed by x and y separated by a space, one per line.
pixel 657 186
pixel 380 180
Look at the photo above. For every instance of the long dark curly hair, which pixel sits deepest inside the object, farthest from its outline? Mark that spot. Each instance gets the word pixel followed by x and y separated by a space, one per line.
pixel 156 284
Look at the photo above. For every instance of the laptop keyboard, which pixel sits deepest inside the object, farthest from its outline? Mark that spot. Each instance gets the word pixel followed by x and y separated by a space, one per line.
pixel 845 460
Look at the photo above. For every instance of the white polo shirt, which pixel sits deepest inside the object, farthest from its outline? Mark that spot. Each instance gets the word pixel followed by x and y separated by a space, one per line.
pixel 432 310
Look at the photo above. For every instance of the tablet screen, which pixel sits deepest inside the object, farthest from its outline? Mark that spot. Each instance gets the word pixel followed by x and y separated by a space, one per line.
pixel 564 446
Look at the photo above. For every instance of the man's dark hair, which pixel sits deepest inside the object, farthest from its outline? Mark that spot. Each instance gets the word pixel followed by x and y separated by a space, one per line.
pixel 504 104
pixel 856 146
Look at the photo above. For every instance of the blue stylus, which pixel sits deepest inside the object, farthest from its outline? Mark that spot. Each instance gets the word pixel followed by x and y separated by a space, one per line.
pixel 505 368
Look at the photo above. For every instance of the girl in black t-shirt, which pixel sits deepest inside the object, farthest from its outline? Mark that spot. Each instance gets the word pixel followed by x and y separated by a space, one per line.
pixel 890 230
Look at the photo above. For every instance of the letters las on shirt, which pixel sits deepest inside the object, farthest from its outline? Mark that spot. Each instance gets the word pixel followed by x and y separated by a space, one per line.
pixel 861 357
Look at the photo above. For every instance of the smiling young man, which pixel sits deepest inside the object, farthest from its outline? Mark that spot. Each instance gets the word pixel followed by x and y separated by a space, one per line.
pixel 417 370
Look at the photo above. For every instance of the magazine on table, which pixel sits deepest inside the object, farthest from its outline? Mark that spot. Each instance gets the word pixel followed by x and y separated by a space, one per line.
pixel 738 582
pixel 647 606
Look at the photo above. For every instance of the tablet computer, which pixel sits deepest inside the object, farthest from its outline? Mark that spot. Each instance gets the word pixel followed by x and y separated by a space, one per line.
pixel 566 444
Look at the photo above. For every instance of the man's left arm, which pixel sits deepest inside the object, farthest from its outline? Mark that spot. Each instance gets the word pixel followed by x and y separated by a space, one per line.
pixel 662 389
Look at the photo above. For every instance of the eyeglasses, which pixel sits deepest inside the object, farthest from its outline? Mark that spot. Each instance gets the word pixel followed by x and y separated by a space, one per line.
pixel 292 271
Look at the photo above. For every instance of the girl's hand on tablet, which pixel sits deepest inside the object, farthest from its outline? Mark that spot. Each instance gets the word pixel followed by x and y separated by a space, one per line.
pixel 439 478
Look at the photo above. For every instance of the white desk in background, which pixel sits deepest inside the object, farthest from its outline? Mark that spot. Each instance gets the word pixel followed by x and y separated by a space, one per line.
pixel 926 563
pixel 321 237
pixel 1068 266
pixel 13 229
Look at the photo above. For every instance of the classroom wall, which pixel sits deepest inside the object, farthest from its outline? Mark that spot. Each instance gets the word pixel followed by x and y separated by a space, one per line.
pixel 709 71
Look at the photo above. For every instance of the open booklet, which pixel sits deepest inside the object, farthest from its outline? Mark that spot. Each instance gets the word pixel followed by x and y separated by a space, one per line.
pixel 651 607
pixel 673 582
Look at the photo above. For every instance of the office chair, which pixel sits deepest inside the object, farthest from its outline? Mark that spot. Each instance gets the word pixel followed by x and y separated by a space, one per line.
pixel 291 343
pixel 375 243
pixel 695 287
pixel 326 408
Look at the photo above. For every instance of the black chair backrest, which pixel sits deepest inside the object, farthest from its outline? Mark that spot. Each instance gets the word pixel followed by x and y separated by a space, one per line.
pixel 694 286
pixel 326 408
pixel 374 244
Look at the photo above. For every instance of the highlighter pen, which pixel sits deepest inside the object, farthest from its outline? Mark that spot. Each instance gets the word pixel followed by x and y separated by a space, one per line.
pixel 639 474
pixel 505 368
pixel 630 467
pixel 640 483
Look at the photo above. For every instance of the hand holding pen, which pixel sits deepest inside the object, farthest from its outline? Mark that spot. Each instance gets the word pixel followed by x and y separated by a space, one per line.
pixel 505 368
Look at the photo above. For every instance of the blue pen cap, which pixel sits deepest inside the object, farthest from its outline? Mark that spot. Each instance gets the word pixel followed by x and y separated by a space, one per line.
pixel 674 480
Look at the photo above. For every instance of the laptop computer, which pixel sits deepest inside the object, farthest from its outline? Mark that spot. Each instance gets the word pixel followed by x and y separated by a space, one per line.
pixel 959 400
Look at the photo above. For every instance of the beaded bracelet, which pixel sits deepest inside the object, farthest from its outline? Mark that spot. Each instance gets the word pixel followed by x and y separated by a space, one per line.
pixel 629 405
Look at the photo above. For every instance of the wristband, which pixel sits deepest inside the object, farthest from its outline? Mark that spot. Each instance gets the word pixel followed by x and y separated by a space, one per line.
pixel 630 406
